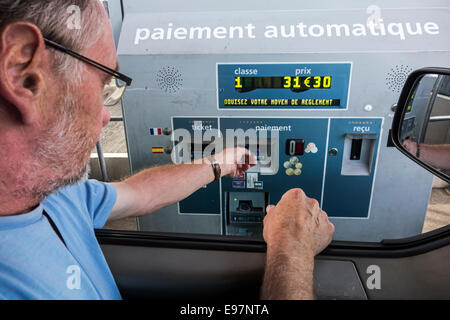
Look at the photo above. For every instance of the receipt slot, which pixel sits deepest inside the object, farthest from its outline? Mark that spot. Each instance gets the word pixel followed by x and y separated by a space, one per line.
pixel 350 173
pixel 358 154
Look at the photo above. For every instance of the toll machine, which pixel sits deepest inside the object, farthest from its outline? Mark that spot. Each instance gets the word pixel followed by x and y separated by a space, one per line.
pixel 316 81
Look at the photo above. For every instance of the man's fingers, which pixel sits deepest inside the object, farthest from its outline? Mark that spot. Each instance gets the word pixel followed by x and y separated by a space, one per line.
pixel 293 195
pixel 325 222
pixel 269 208
pixel 252 159
pixel 313 203
pixel 323 217
pixel 248 157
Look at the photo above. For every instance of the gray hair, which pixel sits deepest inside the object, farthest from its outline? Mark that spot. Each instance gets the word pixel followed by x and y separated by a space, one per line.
pixel 52 17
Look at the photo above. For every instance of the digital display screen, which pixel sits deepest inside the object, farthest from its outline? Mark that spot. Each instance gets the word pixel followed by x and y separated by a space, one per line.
pixel 283 86
pixel 295 84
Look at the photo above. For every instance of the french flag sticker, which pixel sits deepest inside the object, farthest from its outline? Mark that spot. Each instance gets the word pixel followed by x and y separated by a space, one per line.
pixel 155 131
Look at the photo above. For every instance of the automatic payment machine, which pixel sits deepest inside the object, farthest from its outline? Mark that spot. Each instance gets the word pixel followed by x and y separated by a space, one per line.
pixel 316 83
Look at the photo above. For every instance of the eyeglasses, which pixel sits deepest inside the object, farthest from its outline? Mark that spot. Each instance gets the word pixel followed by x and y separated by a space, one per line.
pixel 113 91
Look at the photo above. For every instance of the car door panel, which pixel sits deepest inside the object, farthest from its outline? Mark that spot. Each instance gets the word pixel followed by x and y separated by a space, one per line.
pixel 170 267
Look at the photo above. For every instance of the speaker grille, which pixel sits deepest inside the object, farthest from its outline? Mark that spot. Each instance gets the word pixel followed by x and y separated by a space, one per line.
pixel 396 78
pixel 169 79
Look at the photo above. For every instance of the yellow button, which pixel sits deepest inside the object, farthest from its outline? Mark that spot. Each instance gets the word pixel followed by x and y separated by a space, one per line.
pixel 297 172
pixel 299 165
pixel 286 164
pixel 293 160
pixel 290 171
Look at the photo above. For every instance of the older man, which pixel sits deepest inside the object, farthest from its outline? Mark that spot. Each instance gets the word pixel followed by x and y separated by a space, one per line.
pixel 51 114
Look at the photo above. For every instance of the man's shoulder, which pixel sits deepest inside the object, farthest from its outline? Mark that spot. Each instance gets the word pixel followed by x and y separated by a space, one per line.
pixel 75 198
pixel 91 199
pixel 78 191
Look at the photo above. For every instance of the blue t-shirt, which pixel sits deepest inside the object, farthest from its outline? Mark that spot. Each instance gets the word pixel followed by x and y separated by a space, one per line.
pixel 35 263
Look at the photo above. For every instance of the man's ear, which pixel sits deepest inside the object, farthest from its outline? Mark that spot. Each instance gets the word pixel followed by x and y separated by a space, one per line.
pixel 23 61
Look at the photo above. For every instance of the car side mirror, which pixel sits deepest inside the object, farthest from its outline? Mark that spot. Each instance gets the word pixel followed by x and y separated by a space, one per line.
pixel 421 126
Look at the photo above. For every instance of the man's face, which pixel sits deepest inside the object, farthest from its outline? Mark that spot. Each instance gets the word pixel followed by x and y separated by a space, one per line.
pixel 90 93
pixel 78 116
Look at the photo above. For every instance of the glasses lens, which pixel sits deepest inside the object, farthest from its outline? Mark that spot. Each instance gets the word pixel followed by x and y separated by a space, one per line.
pixel 113 92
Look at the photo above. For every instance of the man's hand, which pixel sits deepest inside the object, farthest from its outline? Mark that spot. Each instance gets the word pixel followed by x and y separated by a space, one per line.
pixel 235 161
pixel 295 230
pixel 297 223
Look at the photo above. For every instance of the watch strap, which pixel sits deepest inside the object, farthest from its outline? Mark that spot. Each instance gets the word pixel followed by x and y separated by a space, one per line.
pixel 216 169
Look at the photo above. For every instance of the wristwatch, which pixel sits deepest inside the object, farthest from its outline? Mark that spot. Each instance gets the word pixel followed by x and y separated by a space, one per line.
pixel 216 168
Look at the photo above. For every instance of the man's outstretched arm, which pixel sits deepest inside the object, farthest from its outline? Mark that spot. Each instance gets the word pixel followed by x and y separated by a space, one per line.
pixel 295 231
pixel 158 187
pixel 437 156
